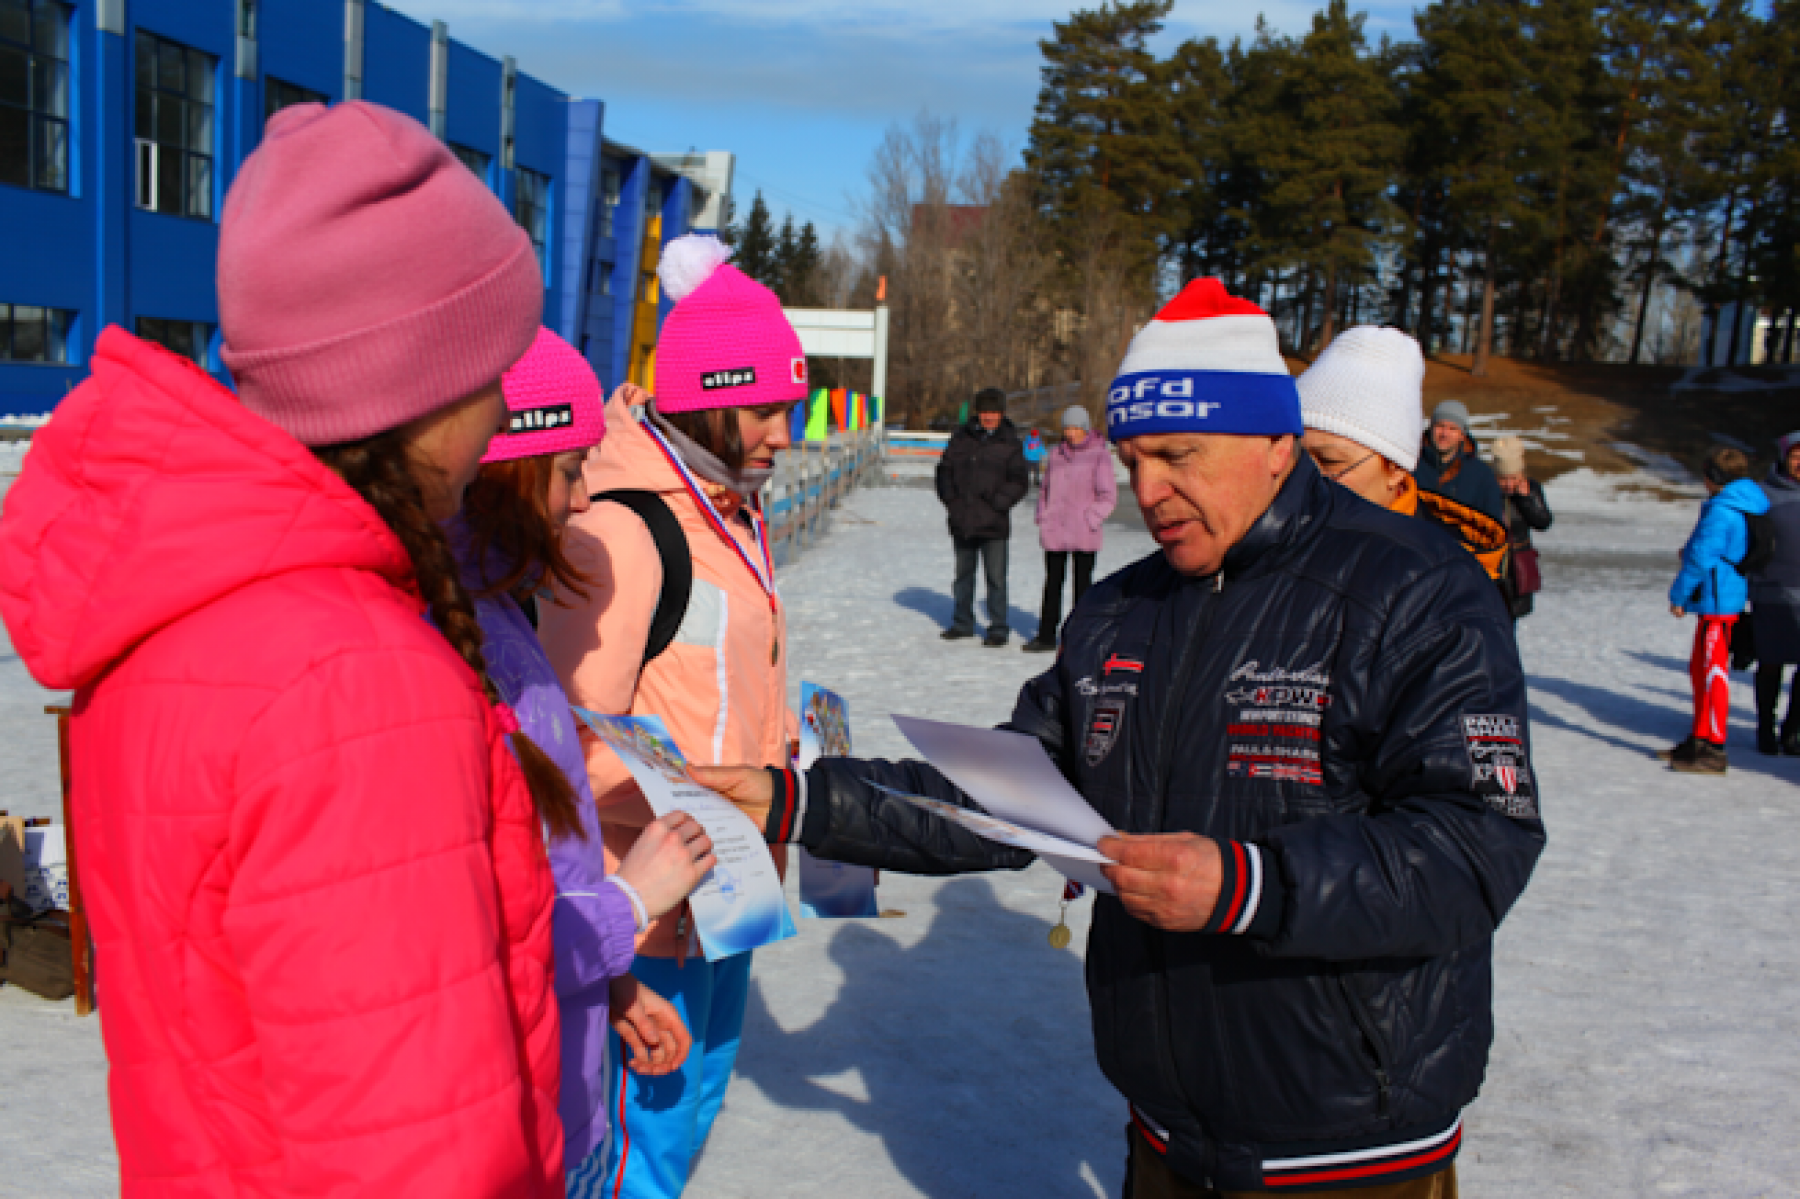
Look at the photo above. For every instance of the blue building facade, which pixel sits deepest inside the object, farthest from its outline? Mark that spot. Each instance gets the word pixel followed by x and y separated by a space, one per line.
pixel 124 122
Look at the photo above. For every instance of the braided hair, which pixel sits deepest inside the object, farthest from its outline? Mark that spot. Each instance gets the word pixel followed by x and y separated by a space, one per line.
pixel 381 470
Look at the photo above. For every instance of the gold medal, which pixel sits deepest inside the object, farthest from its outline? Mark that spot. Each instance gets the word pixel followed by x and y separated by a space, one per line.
pixel 1060 935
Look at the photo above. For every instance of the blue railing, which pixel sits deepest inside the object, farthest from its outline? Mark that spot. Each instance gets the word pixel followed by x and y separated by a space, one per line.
pixel 810 480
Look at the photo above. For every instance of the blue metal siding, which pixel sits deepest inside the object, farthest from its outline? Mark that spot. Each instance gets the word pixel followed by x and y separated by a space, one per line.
pixel 677 206
pixel 93 253
pixel 203 24
pixel 579 187
pixel 396 60
pixel 628 233
pixel 302 42
pixel 473 116
pixel 540 123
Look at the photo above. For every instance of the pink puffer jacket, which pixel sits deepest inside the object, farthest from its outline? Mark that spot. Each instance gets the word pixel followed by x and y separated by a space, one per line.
pixel 319 894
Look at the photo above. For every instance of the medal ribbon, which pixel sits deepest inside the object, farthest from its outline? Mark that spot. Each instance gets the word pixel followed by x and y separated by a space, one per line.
pixel 765 571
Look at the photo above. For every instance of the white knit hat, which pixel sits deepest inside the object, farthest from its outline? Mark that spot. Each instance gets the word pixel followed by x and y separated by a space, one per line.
pixel 1368 385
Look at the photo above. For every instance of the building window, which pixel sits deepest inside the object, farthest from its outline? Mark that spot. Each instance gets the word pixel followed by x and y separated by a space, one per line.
pixel 531 208
pixel 609 200
pixel 190 339
pixel 32 334
pixel 475 160
pixel 278 94
pixel 34 94
pixel 600 278
pixel 174 128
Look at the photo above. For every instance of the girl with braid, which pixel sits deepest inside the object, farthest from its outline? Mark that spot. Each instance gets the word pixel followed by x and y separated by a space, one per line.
pixel 310 840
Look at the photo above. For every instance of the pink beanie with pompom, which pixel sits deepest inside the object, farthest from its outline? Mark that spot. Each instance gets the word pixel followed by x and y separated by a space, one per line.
pixel 553 400
pixel 366 277
pixel 727 343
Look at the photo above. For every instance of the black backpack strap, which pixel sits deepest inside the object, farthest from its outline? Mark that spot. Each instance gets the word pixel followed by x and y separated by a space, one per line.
pixel 677 562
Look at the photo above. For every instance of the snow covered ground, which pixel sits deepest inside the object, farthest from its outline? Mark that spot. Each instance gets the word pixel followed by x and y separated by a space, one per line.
pixel 1648 989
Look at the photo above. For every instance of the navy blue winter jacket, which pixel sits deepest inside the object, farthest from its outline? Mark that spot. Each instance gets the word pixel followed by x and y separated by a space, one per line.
pixel 1343 708
pixel 1465 477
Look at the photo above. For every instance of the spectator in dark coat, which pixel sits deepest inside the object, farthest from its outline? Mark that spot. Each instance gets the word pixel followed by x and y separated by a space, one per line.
pixel 980 478
pixel 1449 465
pixel 1526 509
pixel 1775 605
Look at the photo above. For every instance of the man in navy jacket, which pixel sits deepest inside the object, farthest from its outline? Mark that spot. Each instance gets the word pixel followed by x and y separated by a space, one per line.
pixel 1449 465
pixel 1307 717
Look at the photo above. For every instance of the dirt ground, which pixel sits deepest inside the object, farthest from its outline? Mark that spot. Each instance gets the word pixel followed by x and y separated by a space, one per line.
pixel 1584 412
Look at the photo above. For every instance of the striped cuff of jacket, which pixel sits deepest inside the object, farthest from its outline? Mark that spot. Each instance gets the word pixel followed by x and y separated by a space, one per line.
pixel 1249 901
pixel 787 806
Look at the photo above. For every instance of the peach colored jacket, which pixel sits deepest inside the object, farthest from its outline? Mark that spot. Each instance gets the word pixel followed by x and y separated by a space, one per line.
pixel 721 687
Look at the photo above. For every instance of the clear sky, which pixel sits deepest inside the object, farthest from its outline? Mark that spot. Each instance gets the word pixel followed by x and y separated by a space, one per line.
pixel 802 90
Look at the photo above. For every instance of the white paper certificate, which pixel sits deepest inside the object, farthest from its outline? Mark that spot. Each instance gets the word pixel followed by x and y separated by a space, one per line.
pixel 1009 775
pixel 1078 862
pixel 739 904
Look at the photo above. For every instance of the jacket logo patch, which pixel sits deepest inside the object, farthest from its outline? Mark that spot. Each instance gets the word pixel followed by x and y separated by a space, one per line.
pixel 536 420
pixel 1274 730
pixel 743 376
pixel 1501 775
pixel 1129 665
pixel 1103 730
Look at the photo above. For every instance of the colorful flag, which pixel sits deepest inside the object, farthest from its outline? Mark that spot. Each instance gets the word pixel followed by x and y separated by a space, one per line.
pixel 818 417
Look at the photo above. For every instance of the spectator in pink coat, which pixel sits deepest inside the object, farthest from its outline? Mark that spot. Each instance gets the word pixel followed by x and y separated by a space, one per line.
pixel 1077 496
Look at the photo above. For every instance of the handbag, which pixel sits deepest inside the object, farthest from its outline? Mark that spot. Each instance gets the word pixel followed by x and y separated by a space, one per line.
pixel 1527 579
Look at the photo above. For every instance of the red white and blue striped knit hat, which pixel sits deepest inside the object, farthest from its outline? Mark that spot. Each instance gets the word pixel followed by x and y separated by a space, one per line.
pixel 1208 363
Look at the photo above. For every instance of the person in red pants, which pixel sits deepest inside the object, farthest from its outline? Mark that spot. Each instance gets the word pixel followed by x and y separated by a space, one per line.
pixel 1712 586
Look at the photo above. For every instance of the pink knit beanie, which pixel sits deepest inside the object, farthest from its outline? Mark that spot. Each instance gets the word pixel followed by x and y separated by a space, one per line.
pixel 727 343
pixel 366 277
pixel 555 401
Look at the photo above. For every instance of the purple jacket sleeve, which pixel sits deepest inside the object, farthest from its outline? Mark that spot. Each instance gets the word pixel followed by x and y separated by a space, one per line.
pixel 595 928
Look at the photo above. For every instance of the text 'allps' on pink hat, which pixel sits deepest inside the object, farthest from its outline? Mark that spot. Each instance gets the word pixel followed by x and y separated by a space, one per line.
pixel 554 402
pixel 726 344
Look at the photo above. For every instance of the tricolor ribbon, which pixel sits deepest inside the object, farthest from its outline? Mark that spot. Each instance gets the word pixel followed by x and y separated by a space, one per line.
pixel 765 573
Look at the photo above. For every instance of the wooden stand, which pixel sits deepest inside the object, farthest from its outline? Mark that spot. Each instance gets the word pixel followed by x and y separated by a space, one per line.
pixel 79 944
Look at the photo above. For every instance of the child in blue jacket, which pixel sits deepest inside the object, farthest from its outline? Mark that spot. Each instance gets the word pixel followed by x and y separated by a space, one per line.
pixel 1711 587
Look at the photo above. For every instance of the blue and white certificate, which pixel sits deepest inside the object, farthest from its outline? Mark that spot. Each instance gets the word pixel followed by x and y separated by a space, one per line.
pixel 830 890
pixel 739 904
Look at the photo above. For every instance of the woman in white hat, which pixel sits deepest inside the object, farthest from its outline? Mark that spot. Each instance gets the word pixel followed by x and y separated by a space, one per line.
pixel 1362 402
pixel 1363 412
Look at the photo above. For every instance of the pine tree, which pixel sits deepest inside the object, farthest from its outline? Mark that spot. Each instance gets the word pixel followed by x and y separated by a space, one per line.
pixel 1207 237
pixel 1103 139
pixel 1662 180
pixel 800 285
pixel 1339 167
pixel 1474 57
pixel 754 241
pixel 786 244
